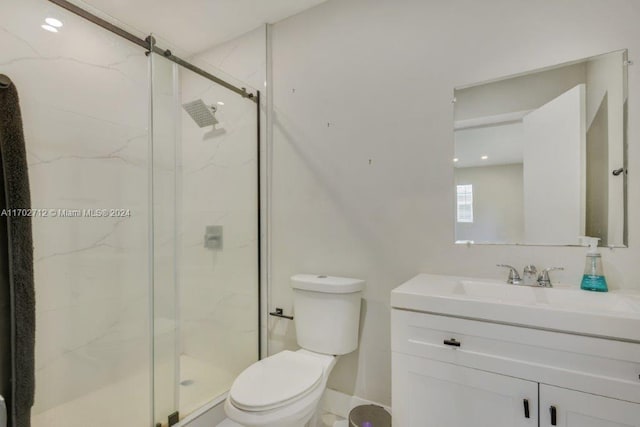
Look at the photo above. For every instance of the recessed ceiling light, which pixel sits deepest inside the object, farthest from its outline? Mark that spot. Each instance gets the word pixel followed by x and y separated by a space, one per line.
pixel 53 22
pixel 455 160
pixel 220 103
pixel 484 157
pixel 49 28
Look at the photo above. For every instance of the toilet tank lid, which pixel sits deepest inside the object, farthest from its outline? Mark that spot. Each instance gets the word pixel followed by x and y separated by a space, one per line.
pixel 327 284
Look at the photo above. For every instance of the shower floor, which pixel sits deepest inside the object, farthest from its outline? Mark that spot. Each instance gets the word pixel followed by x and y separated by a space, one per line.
pixel 126 403
pixel 206 382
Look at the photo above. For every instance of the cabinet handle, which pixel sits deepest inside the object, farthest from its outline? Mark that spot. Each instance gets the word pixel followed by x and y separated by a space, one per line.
pixel 452 342
pixel 553 411
pixel 526 408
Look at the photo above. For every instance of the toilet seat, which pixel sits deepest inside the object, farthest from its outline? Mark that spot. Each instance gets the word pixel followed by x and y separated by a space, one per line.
pixel 276 381
pixel 291 411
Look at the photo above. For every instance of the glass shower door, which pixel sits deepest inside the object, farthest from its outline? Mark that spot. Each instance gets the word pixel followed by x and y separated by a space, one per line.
pixel 207 295
pixel 84 96
pixel 146 268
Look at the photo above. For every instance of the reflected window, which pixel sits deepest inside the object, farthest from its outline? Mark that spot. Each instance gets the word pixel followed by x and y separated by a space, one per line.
pixel 464 203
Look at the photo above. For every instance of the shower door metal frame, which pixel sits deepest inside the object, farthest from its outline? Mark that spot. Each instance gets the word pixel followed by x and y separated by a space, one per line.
pixel 149 44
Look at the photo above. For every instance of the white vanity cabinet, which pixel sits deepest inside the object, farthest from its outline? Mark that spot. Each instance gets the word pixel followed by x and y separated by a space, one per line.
pixel 449 371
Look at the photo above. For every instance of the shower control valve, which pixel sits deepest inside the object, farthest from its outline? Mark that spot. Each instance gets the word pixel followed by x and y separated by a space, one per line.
pixel 213 237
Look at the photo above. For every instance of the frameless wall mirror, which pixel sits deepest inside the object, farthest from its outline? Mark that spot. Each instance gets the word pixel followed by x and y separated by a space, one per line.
pixel 540 157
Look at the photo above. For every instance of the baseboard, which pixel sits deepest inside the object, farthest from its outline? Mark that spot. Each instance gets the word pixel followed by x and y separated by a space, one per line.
pixel 341 404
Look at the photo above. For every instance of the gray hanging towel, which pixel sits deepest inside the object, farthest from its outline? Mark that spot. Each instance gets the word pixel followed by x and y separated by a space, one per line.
pixel 16 267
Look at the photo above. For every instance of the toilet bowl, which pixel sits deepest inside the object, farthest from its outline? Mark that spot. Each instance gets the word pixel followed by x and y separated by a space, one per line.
pixel 284 390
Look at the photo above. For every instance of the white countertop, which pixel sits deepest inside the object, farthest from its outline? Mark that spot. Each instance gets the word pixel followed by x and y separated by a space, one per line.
pixel 612 315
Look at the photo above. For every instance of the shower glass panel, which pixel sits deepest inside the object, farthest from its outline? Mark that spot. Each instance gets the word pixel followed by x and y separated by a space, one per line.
pixel 164 91
pixel 85 105
pixel 214 298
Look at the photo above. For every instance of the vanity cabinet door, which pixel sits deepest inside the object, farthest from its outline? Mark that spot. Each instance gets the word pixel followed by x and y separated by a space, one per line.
pixel 428 393
pixel 576 409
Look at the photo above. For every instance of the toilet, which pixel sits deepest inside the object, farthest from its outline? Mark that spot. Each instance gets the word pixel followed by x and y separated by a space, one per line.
pixel 284 390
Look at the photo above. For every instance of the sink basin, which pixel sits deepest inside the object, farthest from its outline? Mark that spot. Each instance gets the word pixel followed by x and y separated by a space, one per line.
pixel 495 291
pixel 614 315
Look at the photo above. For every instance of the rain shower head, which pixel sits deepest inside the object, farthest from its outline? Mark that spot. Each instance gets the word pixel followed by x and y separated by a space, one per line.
pixel 201 113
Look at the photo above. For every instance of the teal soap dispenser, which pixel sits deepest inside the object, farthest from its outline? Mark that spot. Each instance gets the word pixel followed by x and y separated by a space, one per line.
pixel 593 278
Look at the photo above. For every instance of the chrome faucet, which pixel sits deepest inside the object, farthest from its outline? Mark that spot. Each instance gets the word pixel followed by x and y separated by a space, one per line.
pixel 514 277
pixel 530 275
pixel 544 280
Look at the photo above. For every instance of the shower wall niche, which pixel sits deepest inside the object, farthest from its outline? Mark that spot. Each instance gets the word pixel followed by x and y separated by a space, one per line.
pixel 136 318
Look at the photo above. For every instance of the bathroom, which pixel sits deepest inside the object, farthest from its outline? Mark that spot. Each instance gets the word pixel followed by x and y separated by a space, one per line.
pixel 135 317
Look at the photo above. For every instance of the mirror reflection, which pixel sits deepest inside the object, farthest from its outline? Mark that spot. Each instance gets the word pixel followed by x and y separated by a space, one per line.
pixel 540 157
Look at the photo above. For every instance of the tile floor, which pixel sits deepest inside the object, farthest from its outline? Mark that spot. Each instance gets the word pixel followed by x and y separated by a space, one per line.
pixel 326 420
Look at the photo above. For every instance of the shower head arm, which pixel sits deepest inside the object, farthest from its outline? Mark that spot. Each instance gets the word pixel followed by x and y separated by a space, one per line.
pixel 5 81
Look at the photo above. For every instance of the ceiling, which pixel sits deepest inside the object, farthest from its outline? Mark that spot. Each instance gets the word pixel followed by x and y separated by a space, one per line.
pixel 193 26
pixel 500 144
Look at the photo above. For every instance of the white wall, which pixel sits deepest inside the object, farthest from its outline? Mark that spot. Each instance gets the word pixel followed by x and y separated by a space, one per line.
pixel 362 176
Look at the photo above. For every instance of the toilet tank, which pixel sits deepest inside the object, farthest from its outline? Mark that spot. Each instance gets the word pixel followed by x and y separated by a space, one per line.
pixel 327 312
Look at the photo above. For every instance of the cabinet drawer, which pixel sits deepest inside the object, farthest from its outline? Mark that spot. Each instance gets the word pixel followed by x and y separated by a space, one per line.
pixel 594 365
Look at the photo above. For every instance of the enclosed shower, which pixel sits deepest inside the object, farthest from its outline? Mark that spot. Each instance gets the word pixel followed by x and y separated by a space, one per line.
pixel 147 310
